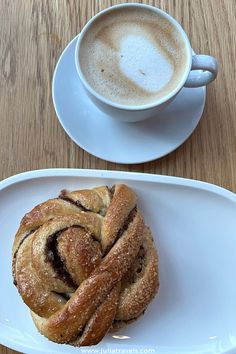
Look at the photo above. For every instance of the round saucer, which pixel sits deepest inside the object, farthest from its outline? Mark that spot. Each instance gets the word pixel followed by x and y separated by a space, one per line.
pixel 120 142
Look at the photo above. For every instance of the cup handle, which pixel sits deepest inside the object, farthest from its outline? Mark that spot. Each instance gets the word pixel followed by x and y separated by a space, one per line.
pixel 208 64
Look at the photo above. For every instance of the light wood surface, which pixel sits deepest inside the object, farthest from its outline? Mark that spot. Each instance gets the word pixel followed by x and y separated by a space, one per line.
pixel 34 33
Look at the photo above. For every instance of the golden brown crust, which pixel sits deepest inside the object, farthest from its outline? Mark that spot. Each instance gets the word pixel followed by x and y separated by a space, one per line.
pixel 83 262
pixel 34 292
pixel 102 319
pixel 135 296
pixel 95 200
pixel 85 253
pixel 39 215
pixel 123 201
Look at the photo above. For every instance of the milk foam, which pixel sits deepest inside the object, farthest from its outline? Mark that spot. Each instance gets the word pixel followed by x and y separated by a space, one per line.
pixel 142 62
pixel 132 56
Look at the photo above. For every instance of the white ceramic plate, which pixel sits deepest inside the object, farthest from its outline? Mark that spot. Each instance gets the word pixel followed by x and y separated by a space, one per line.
pixel 194 225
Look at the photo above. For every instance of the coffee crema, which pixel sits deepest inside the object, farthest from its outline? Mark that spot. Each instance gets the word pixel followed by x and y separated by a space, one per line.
pixel 132 56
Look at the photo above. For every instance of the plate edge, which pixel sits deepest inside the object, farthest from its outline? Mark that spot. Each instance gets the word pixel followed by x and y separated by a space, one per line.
pixel 132 176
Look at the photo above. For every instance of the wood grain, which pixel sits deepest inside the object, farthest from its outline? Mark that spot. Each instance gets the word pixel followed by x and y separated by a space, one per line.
pixel 34 33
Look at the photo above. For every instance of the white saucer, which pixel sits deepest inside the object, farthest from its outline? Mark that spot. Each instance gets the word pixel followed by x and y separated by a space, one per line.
pixel 114 141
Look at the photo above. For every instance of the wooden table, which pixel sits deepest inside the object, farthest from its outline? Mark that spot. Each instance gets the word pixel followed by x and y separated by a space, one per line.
pixel 34 33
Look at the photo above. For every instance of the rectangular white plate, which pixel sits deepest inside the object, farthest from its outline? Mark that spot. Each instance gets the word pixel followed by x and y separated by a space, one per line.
pixel 194 226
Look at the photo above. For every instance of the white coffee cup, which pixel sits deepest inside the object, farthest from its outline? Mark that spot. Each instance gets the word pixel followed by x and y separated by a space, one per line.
pixel 199 70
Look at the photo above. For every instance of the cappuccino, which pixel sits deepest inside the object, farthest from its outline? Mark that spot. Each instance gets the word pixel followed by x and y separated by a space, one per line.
pixel 132 56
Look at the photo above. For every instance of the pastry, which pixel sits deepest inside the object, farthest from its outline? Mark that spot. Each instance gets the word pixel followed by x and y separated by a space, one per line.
pixel 85 263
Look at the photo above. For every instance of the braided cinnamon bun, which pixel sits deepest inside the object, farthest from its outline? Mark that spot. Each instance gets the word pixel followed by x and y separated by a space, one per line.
pixel 85 263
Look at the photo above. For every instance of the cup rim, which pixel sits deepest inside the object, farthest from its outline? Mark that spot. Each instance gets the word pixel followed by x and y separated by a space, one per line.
pixel 143 107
